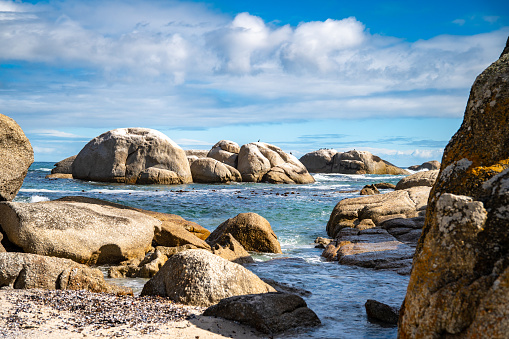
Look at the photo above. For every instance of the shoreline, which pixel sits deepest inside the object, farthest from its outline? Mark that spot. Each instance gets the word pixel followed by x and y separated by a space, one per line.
pixel 37 313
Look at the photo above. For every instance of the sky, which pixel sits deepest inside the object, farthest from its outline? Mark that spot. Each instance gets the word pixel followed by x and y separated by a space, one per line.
pixel 389 77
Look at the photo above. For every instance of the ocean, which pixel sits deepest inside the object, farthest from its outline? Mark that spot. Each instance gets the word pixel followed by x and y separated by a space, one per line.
pixel 298 215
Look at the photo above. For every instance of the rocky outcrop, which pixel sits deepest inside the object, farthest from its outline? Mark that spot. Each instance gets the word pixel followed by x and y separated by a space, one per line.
pixel 169 234
pixel 200 278
pixel 459 286
pixel 196 152
pixel 226 152
pixel 428 165
pixel 59 176
pixel 269 313
pixel 228 248
pixel 408 203
pixel 24 270
pixel 134 156
pixel 249 229
pixel 64 166
pixel 259 161
pixel 425 178
pixel 369 190
pixel 17 155
pixel 319 161
pixel 84 232
pixel 382 312
pixel 208 170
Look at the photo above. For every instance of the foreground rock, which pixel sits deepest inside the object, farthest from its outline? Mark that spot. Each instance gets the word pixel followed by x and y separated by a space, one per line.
pixel 428 165
pixel 351 162
pixel 17 155
pixel 198 277
pixel 269 313
pixel 259 161
pixel 459 285
pixel 251 230
pixel 226 152
pixel 382 312
pixel 133 156
pixel 84 232
pixel 64 166
pixel 426 178
pixel 208 170
pixel 24 271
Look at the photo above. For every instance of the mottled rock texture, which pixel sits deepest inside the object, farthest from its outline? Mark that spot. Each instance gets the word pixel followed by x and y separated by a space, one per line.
pixel 225 151
pixel 132 155
pixel 16 156
pixel 425 178
pixel 459 286
pixel 200 278
pixel 229 248
pixel 251 230
pixel 24 270
pixel 268 313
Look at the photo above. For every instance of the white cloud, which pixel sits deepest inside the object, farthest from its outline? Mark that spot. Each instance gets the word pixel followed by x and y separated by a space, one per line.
pixel 54 133
pixel 459 22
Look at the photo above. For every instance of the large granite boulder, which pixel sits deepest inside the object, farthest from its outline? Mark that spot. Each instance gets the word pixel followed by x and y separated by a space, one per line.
pixel 428 165
pixel 134 156
pixel 208 170
pixel 199 153
pixel 226 152
pixel 17 155
pixel 24 270
pixel 259 161
pixel 200 278
pixel 352 212
pixel 319 161
pixel 249 229
pixel 86 233
pixel 459 286
pixel 268 313
pixel 64 166
pixel 425 178
pixel 229 248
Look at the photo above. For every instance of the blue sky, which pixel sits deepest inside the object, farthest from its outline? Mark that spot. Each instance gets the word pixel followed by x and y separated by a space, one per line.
pixel 389 77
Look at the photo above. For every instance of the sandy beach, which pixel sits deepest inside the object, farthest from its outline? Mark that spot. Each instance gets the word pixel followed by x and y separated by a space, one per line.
pixel 81 314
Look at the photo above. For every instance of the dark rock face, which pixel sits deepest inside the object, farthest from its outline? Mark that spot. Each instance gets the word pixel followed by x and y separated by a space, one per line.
pixel 64 166
pixel 268 313
pixel 369 190
pixel 459 285
pixel 382 312
pixel 16 156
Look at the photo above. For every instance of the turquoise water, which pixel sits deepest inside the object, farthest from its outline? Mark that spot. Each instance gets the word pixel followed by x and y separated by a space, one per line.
pixel 297 213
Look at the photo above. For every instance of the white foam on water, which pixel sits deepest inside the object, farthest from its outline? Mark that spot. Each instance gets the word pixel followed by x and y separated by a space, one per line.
pixel 37 198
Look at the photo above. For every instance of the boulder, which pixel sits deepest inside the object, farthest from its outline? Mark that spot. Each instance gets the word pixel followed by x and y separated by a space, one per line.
pixel 428 165
pixel 251 230
pixel 226 152
pixel 382 312
pixel 228 248
pixel 362 162
pixel 459 286
pixel 24 270
pixel 259 161
pixel 86 233
pixel 170 234
pixel 319 161
pixel 64 166
pixel 196 152
pixel 133 156
pixel 200 278
pixel 59 176
pixel 208 170
pixel 17 155
pixel 268 313
pixel 385 186
pixel 425 178
pixel 369 190
pixel 407 203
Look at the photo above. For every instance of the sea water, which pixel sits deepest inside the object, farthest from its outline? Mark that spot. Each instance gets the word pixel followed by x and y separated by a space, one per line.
pixel 298 215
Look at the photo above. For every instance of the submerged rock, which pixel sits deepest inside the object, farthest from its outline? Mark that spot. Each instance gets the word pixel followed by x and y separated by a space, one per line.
pixel 251 230
pixel 382 312
pixel 200 278
pixel 268 313
pixel 459 286
pixel 24 270
pixel 17 155
pixel 133 156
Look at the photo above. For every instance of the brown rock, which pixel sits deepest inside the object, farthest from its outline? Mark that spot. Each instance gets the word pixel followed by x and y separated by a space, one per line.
pixel 362 162
pixel 64 166
pixel 425 178
pixel 428 165
pixel 208 170
pixel 17 155
pixel 319 161
pixel 230 249
pixel 59 176
pixel 169 234
pixel 251 230
pixel 226 152
pixel 369 190
pixel 459 285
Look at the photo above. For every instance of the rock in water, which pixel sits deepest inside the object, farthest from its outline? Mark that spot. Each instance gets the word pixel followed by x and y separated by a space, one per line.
pixel 382 312
pixel 24 270
pixel 319 161
pixel 459 286
pixel 133 155
pixel 64 166
pixel 208 170
pixel 17 155
pixel 426 178
pixel 268 313
pixel 229 248
pixel 251 230
pixel 259 161
pixel 200 278
pixel 85 233
pixel 428 165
